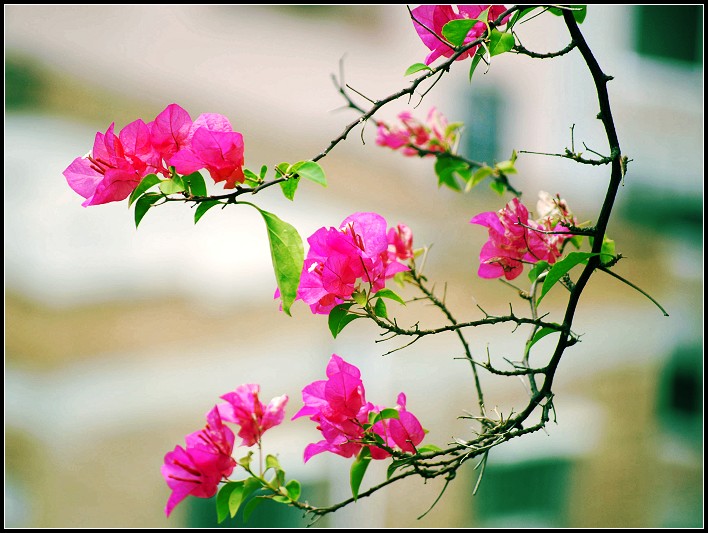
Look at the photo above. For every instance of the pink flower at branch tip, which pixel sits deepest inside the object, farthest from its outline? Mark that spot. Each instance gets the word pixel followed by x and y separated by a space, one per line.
pixel 515 239
pixel 338 405
pixel 429 21
pixel 243 407
pixel 197 469
pixel 418 138
pixel 340 260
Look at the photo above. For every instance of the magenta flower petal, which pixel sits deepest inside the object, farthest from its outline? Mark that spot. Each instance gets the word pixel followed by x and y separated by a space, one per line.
pixel 170 130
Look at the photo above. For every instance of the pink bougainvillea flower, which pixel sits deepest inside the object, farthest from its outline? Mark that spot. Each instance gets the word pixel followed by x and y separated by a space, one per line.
pixel 338 405
pixel 115 166
pixel 418 138
pixel 212 144
pixel 244 408
pixel 169 132
pixel 400 243
pixel 429 21
pixel 341 259
pixel 198 469
pixel 404 432
pixel 515 239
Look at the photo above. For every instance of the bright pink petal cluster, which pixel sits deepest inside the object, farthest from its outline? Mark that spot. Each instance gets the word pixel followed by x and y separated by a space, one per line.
pixel 430 19
pixel 243 407
pixel 414 136
pixel 117 163
pixel 515 239
pixel 339 260
pixel 198 468
pixel 338 405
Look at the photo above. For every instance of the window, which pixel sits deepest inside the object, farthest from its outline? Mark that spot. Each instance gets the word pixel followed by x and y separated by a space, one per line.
pixel 669 32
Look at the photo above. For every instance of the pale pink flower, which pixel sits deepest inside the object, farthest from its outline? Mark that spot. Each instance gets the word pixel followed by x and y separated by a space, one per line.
pixel 416 137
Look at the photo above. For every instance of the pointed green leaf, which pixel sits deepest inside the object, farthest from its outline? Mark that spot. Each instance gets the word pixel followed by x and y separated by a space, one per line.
pixel 294 489
pixel 172 186
pixel 245 461
pixel 561 268
pixel 385 414
pixel 359 466
pixel 449 169
pixel 195 184
pixel 395 465
pixel 475 60
pixel 608 249
pixel 311 171
pixel 287 254
pixel 252 179
pixel 455 31
pixel 500 42
pixel 429 448
pixel 272 462
pixel 380 309
pixel 148 181
pixel 498 187
pixel 289 187
pixel 250 486
pixel 236 498
pixel 264 171
pixel 339 317
pixel 359 297
pixel 203 207
pixel 388 293
pixel 538 269
pixel 416 67
pixel 144 203
pixel 540 334
pixel 251 506
pixel 223 498
pixel 478 176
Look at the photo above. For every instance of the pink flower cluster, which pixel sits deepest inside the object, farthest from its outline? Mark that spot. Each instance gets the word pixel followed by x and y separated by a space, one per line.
pixel 198 468
pixel 515 239
pixel 435 135
pixel 338 405
pixel 117 163
pixel 340 259
pixel 430 19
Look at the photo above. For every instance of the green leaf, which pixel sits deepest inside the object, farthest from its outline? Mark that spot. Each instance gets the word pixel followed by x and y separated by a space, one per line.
pixel 203 207
pixel 252 179
pixel 429 448
pixel 250 486
pixel 264 171
pixel 380 308
pixel 416 67
pixel 516 17
pixel 223 499
pixel 455 31
pixel 540 334
pixel 359 466
pixel 498 187
pixel 272 462
pixel 251 506
pixel 148 181
pixel 579 12
pixel 245 461
pixel 283 169
pixel 395 465
pixel 195 184
pixel 448 169
pixel 288 256
pixel 385 414
pixel 359 297
pixel 172 186
pixel 538 269
pixel 576 241
pixel 311 171
pixel 280 499
pixel 294 489
pixel 561 268
pixel 388 293
pixel 500 42
pixel 608 249
pixel 478 176
pixel 143 204
pixel 475 60
pixel 289 187
pixel 339 317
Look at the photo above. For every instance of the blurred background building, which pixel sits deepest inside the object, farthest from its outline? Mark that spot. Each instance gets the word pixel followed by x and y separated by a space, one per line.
pixel 117 342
